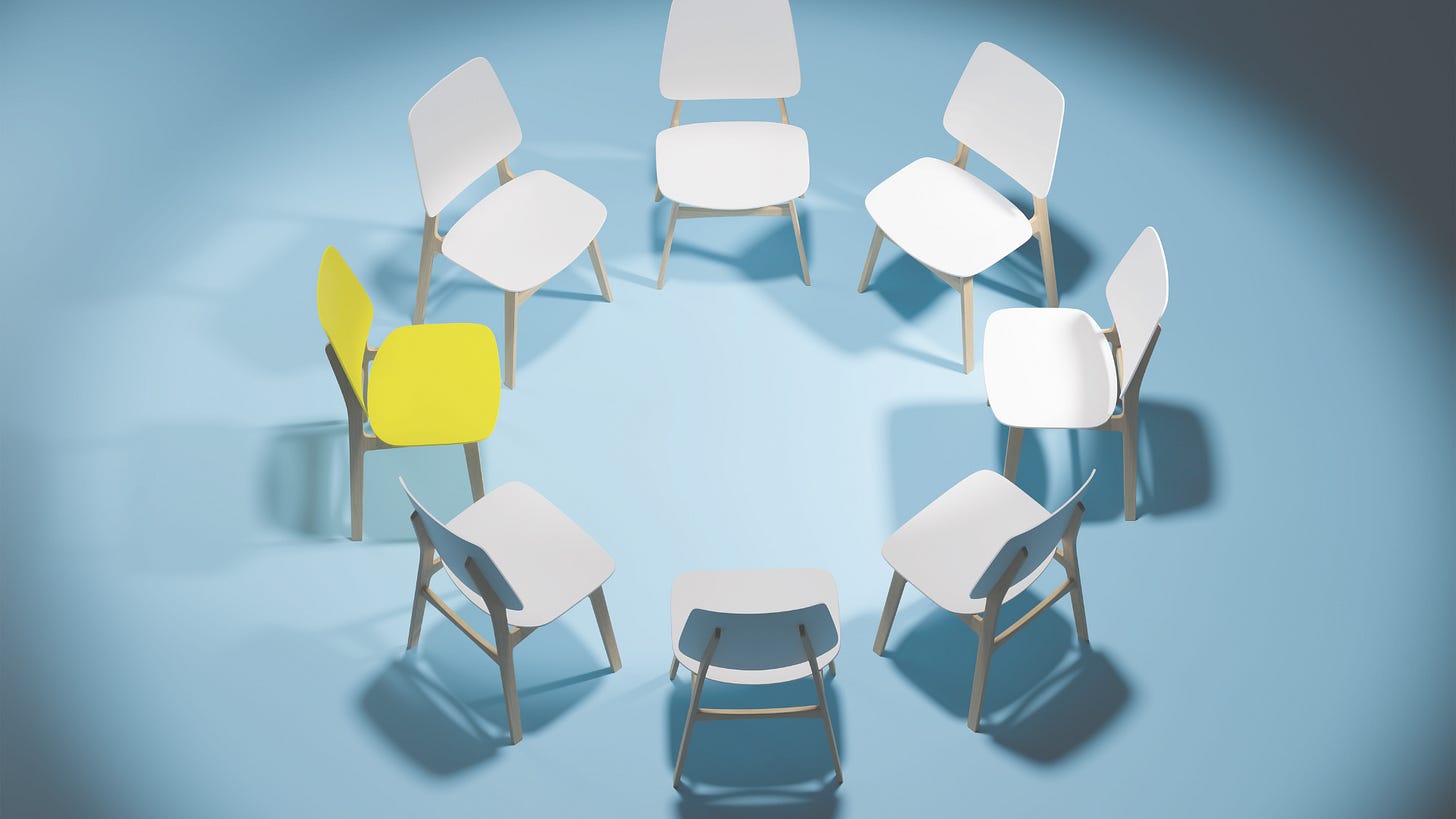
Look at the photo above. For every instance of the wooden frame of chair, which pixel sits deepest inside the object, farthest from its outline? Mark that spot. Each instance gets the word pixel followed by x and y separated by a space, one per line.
pixel 1124 421
pixel 699 714
pixel 431 246
pixel 787 209
pixel 984 624
pixel 507 637
pixel 1041 230
pixel 362 441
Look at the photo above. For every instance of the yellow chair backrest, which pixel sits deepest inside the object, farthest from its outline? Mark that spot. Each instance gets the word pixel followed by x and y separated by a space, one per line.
pixel 346 313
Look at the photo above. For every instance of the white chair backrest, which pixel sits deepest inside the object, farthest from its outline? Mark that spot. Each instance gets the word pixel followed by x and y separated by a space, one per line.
pixel 757 642
pixel 1038 541
pixel 1006 111
pixel 1137 292
pixel 455 550
pixel 460 129
pixel 729 50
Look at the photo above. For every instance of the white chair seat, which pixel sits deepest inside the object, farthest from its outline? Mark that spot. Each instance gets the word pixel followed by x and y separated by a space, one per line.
pixel 525 231
pixel 551 562
pixel 732 165
pixel 945 549
pixel 1048 368
pixel 753 591
pixel 946 218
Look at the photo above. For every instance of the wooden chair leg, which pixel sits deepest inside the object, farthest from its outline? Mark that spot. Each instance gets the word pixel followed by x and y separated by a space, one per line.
pixel 417 611
pixel 513 305
pixel 968 328
pixel 356 480
pixel 505 656
pixel 698 679
pixel 1013 452
pixel 892 605
pixel 596 258
pixel 799 238
pixel 985 644
pixel 672 669
pixel 1044 241
pixel 429 246
pixel 864 279
pixel 823 703
pixel 666 249
pixel 604 625
pixel 472 465
pixel 1129 461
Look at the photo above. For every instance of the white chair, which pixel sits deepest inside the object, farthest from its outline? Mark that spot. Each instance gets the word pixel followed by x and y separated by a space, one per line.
pixel 977 546
pixel 731 49
pixel 520 560
pixel 520 235
pixel 1056 369
pixel 952 222
pixel 755 627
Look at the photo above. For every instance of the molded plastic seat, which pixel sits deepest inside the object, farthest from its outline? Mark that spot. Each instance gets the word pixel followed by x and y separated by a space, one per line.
pixel 753 591
pixel 959 535
pixel 733 165
pixel 1048 368
pixel 525 231
pixel 435 384
pixel 552 563
pixel 946 218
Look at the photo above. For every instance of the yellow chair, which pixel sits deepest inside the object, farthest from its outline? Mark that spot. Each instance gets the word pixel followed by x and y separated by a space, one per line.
pixel 430 384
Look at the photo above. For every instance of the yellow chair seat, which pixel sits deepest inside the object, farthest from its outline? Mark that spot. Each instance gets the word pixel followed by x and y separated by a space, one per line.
pixel 434 384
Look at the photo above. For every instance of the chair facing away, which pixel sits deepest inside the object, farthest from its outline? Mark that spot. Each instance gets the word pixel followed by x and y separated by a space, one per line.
pixel 977 546
pixel 755 627
pixel 740 50
pixel 520 560
pixel 429 385
pixel 949 220
pixel 1056 369
pixel 525 231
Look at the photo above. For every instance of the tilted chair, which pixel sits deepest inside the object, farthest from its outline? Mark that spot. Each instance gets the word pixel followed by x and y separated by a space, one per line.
pixel 949 220
pixel 755 627
pixel 429 385
pixel 519 559
pixel 977 546
pixel 1056 369
pixel 743 49
pixel 525 231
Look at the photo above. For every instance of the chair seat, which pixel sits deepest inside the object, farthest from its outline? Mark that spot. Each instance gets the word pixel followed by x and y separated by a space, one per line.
pixel 945 549
pixel 525 231
pixel 551 563
pixel 732 165
pixel 946 218
pixel 434 384
pixel 753 591
pixel 1048 368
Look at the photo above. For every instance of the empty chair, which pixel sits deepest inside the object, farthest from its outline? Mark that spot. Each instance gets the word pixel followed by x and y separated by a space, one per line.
pixel 755 627
pixel 977 546
pixel 949 220
pixel 519 559
pixel 1056 369
pixel 525 231
pixel 738 49
pixel 428 385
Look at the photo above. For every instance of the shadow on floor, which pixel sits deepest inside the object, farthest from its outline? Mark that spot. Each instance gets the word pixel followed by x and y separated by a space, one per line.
pixel 771 255
pixel 820 803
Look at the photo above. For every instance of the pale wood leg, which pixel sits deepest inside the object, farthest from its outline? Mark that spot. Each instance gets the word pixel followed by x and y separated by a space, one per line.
pixel 505 656
pixel 596 258
pixel 864 279
pixel 968 329
pixel 1044 240
pixel 832 672
pixel 657 194
pixel 799 238
pixel 985 644
pixel 1013 452
pixel 892 605
pixel 429 246
pixel 1074 571
pixel 604 625
pixel 667 247
pixel 672 669
pixel 823 703
pixel 512 308
pixel 1129 460
pixel 472 465
pixel 422 582
pixel 1079 609
pixel 356 479
pixel 698 680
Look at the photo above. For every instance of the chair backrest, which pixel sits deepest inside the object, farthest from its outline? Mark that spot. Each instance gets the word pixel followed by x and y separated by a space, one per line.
pixel 1006 111
pixel 346 313
pixel 455 550
pixel 1137 292
pixel 1038 541
pixel 459 130
pixel 729 50
pixel 758 642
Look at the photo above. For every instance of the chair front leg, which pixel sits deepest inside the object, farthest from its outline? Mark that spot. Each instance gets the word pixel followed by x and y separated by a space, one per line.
pixel 968 322
pixel 429 246
pixel 892 605
pixel 1044 241
pixel 864 279
pixel 667 248
pixel 506 658
pixel 513 306
pixel 422 581
pixel 799 239
pixel 672 669
pixel 986 639
pixel 823 701
pixel 472 465
pixel 1013 452
pixel 1129 459
pixel 356 477
pixel 1074 570
pixel 601 269
pixel 698 679
pixel 604 625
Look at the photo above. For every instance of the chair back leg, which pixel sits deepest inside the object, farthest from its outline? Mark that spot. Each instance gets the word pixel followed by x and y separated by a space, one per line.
pixel 505 657
pixel 666 249
pixel 604 625
pixel 1013 452
pixel 672 669
pixel 1129 459
pixel 422 582
pixel 601 269
pixel 892 605
pixel 429 246
pixel 1043 228
pixel 864 279
pixel 823 702
pixel 472 465
pixel 799 238
pixel 968 324
pixel 698 679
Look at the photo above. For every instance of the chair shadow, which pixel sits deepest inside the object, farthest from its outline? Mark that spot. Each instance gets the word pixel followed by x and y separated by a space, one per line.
pixel 820 803
pixel 772 255
pixel 441 706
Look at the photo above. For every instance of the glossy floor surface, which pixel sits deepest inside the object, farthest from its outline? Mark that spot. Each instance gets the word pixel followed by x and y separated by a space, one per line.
pixel 187 631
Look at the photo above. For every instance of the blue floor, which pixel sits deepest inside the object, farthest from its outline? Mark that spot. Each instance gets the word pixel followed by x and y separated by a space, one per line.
pixel 188 632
